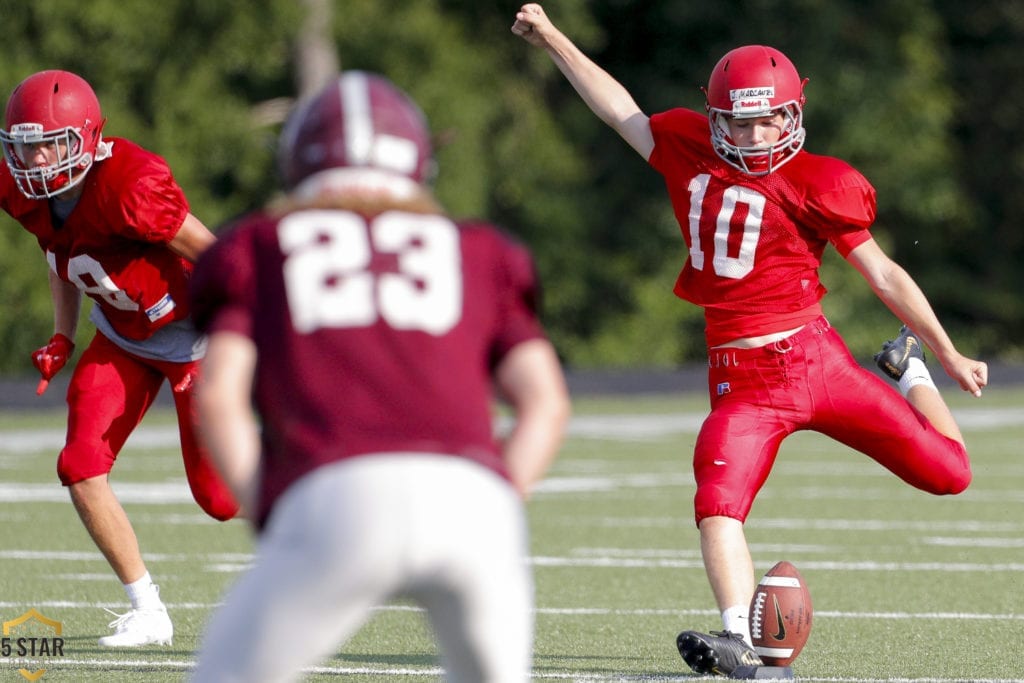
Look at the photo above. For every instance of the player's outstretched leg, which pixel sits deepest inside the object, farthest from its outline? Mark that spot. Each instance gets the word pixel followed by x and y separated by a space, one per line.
pixel 720 652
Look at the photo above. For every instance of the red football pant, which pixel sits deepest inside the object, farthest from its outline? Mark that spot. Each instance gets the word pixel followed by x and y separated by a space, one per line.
pixel 110 392
pixel 809 381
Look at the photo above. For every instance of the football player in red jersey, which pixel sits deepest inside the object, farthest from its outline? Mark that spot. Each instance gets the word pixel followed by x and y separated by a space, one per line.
pixel 756 212
pixel 115 226
pixel 373 333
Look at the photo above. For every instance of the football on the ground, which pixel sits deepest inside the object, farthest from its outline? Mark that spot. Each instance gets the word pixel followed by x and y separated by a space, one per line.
pixel 780 615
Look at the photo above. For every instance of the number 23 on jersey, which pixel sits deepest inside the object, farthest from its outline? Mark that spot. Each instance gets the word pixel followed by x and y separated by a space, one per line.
pixel 330 281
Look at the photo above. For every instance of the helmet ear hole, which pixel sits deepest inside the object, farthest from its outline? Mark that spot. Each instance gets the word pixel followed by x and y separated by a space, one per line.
pixel 97 132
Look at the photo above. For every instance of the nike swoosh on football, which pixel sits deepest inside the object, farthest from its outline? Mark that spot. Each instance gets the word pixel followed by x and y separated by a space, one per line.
pixel 781 635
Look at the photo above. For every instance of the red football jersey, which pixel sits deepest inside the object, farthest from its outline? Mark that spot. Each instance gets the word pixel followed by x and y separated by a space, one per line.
pixel 113 245
pixel 755 243
pixel 375 333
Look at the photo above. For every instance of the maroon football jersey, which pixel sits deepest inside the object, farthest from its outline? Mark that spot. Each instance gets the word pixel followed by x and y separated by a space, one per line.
pixel 755 242
pixel 375 333
pixel 113 245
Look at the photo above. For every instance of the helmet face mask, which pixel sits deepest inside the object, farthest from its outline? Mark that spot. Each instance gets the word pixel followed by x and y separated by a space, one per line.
pixel 66 167
pixel 755 81
pixel 53 125
pixel 758 160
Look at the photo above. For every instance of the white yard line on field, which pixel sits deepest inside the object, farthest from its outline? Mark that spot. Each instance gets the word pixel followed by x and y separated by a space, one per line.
pixel 611 427
pixel 572 611
pixel 434 672
pixel 581 557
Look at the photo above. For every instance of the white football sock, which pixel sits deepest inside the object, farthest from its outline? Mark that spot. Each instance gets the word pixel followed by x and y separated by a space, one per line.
pixel 736 620
pixel 143 593
pixel 916 375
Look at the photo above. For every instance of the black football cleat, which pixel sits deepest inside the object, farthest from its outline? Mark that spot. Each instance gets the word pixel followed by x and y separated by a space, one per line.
pixel 896 353
pixel 720 652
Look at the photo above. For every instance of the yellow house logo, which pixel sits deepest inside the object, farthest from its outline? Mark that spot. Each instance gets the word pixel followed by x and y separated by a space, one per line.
pixel 20 640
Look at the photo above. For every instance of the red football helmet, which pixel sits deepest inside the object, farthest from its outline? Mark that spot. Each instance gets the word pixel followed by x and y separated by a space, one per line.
pixel 58 110
pixel 749 82
pixel 360 120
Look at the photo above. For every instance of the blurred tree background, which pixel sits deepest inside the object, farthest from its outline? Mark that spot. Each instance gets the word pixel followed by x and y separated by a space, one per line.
pixel 925 97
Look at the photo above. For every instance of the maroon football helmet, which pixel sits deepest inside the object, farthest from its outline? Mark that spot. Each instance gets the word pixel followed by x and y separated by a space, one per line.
pixel 55 109
pixel 359 120
pixel 750 82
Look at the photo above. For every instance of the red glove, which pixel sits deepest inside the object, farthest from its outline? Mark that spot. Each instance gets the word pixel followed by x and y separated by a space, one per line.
pixel 51 358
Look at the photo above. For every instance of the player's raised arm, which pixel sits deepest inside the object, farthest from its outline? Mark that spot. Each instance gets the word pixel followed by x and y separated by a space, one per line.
pixel 605 96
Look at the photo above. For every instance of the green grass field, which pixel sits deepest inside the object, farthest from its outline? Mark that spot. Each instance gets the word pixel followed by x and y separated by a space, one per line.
pixel 905 586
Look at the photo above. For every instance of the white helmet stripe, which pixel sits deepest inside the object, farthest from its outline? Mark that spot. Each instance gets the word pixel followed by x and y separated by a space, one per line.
pixel 358 117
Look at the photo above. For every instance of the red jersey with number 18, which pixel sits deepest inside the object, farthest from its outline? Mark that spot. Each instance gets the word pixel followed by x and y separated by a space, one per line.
pixel 113 245
pixel 755 242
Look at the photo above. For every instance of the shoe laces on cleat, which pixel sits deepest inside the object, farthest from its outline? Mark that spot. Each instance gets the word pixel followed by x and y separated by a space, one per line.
pixel 895 355
pixel 139 627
